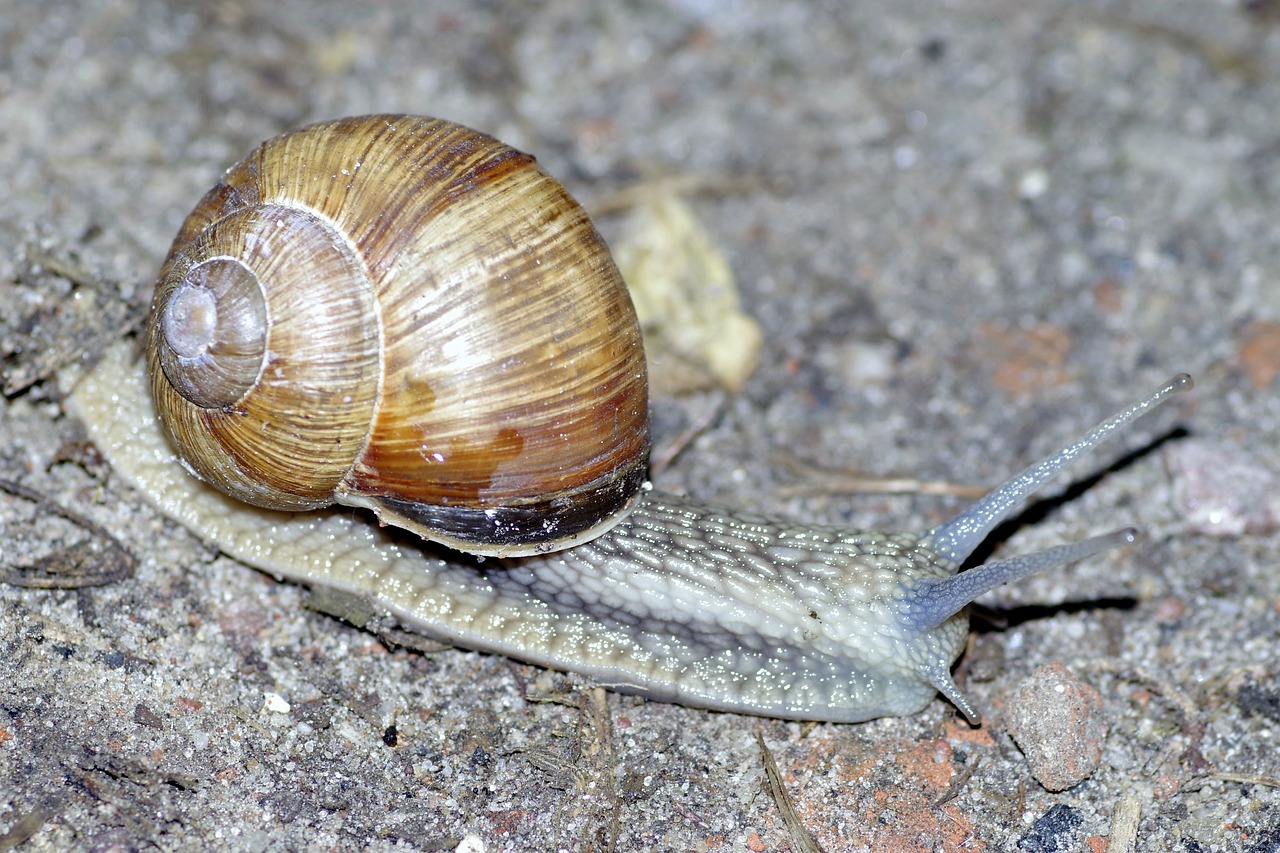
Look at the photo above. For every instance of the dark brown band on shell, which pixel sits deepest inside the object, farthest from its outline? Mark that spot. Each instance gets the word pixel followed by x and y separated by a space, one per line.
pixel 544 524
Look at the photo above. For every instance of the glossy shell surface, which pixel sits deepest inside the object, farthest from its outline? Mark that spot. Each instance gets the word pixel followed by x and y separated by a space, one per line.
pixel 444 338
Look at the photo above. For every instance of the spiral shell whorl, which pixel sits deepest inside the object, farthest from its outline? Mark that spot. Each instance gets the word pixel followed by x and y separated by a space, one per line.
pixel 311 397
pixel 213 333
pixel 482 354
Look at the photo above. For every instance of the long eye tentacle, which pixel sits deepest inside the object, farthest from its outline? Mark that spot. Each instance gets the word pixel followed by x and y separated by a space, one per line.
pixel 934 601
pixel 956 539
pixel 931 602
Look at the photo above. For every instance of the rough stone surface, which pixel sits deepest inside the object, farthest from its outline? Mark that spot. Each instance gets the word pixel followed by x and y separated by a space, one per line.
pixel 1054 832
pixel 1058 722
pixel 1224 490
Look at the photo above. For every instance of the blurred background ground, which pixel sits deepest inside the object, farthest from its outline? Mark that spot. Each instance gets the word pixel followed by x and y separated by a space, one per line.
pixel 968 230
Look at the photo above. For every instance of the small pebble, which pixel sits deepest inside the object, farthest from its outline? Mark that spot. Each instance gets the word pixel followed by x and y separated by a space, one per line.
pixel 1259 352
pixel 276 703
pixel 1223 490
pixel 1054 832
pixel 1057 722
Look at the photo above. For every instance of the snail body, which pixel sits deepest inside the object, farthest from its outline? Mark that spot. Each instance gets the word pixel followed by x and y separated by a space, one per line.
pixel 428 231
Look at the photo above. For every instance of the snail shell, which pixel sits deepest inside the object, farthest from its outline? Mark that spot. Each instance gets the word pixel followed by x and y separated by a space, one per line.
pixel 381 248
pixel 403 314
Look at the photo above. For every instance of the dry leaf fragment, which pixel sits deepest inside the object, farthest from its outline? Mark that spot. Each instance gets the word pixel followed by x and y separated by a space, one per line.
pixel 696 334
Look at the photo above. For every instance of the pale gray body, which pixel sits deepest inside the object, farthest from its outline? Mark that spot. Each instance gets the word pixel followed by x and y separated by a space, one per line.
pixel 685 603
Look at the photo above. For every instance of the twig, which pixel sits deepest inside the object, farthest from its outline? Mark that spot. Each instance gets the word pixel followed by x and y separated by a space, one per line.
pixel 1123 836
pixel 75 566
pixel 801 840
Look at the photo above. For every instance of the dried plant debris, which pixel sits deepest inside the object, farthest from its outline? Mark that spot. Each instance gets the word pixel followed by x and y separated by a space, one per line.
pixel 51 547
pixel 1125 818
pixel 695 332
pixel 800 838
pixel 52 311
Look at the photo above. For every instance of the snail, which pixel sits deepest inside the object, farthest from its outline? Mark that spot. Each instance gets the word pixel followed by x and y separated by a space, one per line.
pixel 403 315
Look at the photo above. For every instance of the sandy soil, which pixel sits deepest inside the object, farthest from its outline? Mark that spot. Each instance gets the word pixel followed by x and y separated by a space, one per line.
pixel 968 230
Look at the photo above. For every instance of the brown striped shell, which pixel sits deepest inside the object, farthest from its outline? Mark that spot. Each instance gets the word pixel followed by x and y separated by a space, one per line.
pixel 400 313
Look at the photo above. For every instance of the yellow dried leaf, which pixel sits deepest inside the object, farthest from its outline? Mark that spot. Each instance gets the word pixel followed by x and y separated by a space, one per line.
pixel 695 331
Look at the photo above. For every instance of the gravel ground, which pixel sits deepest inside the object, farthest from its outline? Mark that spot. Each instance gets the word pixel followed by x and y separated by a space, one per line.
pixel 968 230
